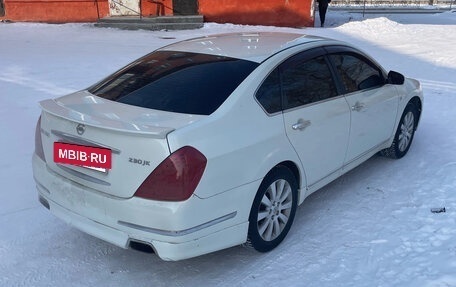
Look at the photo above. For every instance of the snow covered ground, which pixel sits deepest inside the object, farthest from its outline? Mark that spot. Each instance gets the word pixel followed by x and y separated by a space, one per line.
pixel 372 227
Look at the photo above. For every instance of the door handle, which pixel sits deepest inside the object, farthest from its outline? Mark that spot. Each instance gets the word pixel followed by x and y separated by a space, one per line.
pixel 358 107
pixel 301 125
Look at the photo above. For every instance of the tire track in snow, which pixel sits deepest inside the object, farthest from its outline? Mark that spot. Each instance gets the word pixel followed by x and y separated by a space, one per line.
pixel 20 270
pixel 17 75
pixel 51 255
pixel 438 85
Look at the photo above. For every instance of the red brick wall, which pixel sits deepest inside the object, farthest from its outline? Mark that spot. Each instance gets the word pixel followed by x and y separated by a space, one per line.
pixel 63 11
pixel 55 11
pixel 292 13
pixel 150 9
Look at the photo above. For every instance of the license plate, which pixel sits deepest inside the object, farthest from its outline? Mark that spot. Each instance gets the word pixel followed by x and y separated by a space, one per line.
pixel 94 158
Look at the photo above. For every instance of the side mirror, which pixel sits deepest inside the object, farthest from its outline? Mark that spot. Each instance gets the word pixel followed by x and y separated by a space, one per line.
pixel 395 78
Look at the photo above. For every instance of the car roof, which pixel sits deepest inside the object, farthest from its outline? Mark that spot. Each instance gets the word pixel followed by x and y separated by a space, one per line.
pixel 255 46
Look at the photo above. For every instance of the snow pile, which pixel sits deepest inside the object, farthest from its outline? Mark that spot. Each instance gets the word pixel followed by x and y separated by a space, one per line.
pixel 371 227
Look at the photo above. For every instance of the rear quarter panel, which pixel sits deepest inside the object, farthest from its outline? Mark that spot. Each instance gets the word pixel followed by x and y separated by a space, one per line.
pixel 241 142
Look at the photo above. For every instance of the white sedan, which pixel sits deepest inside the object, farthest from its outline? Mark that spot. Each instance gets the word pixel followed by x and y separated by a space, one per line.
pixel 213 142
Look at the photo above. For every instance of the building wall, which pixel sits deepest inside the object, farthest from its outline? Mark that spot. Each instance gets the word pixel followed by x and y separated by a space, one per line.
pixel 55 11
pixel 64 11
pixel 291 13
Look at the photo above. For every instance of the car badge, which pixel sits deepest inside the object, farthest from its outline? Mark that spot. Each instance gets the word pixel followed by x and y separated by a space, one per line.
pixel 80 129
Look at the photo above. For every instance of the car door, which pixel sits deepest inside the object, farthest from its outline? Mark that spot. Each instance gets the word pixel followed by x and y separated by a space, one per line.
pixel 373 102
pixel 316 117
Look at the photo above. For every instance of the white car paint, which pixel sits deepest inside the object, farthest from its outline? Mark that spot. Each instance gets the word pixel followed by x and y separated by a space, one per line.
pixel 241 142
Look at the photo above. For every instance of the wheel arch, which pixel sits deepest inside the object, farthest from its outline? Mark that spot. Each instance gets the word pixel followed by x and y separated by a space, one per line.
pixel 298 174
pixel 293 168
pixel 416 101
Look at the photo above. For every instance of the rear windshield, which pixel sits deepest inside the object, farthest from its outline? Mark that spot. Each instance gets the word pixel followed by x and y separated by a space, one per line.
pixel 178 82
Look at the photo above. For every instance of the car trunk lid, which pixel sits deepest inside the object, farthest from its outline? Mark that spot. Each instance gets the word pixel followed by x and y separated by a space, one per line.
pixel 134 138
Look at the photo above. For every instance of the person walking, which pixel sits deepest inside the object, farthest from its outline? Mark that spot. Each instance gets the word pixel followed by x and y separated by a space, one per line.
pixel 322 8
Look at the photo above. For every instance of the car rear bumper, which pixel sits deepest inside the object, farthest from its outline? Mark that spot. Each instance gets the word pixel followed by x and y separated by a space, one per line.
pixel 175 230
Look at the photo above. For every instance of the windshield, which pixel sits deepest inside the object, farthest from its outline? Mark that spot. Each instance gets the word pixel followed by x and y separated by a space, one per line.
pixel 178 82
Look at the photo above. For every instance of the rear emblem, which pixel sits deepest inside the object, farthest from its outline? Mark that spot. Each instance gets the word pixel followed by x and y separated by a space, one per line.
pixel 80 129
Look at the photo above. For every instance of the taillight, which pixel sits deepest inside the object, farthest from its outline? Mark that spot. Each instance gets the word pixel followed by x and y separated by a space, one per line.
pixel 175 178
pixel 38 142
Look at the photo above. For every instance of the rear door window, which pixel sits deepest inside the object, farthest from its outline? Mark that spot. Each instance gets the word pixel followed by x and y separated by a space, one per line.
pixel 302 79
pixel 306 82
pixel 268 95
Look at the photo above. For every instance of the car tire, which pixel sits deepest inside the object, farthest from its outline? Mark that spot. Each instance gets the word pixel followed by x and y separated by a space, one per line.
pixel 273 209
pixel 404 134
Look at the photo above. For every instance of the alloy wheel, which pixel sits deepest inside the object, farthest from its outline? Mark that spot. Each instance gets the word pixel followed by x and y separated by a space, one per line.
pixel 274 210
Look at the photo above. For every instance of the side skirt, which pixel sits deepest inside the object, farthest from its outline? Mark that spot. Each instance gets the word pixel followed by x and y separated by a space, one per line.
pixel 344 169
